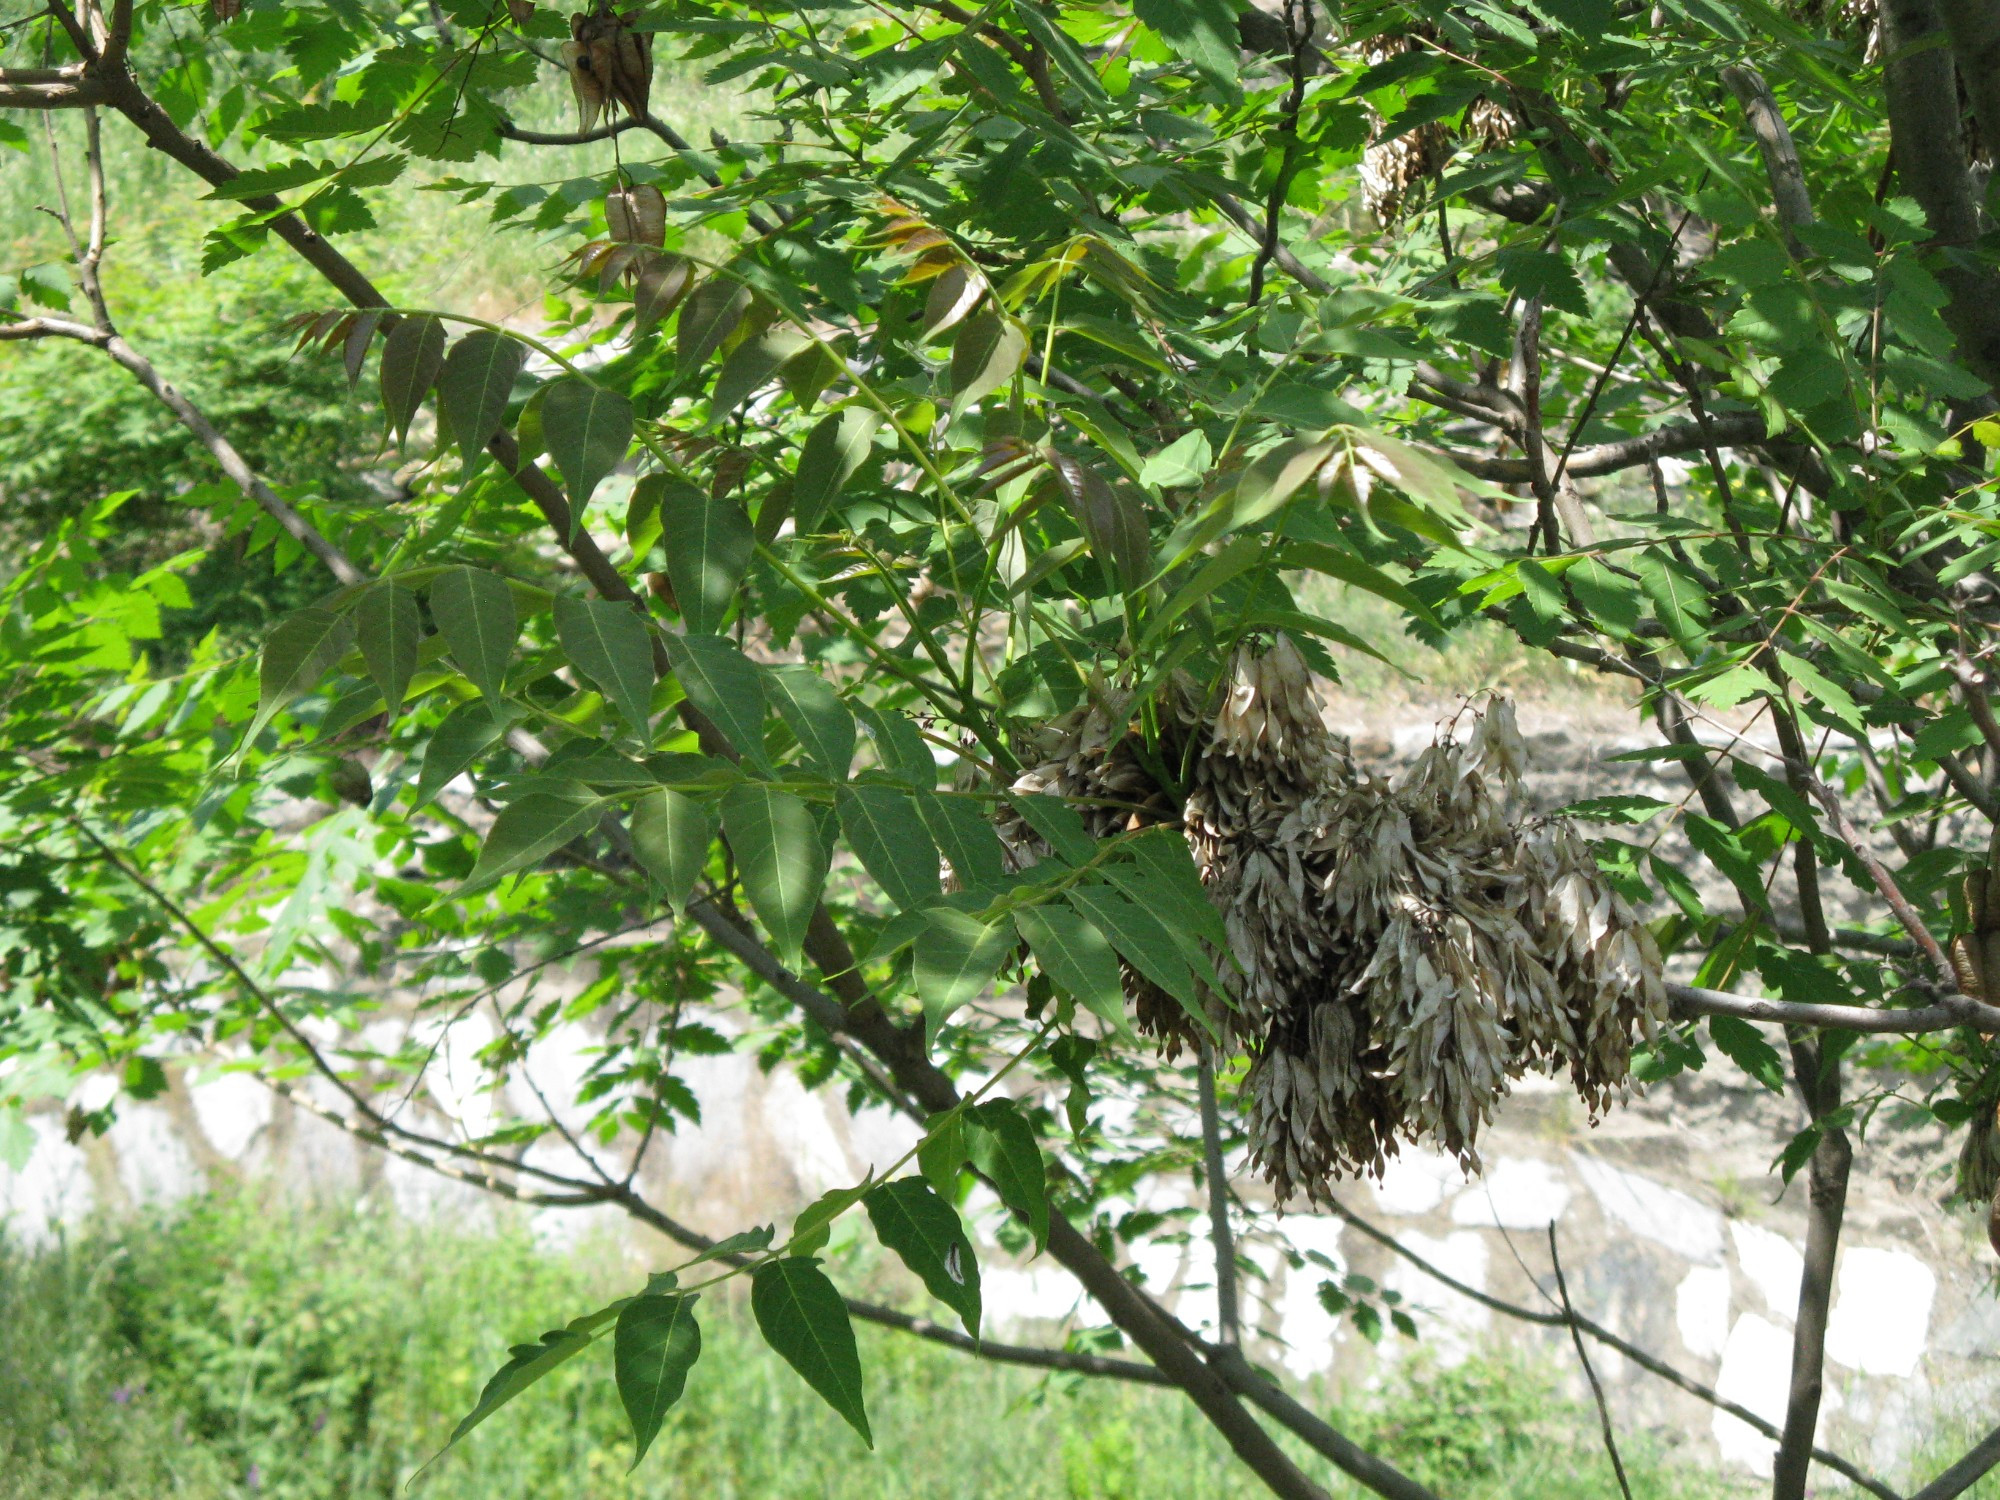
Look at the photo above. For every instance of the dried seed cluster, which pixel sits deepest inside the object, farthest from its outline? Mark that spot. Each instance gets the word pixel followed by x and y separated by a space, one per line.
pixel 1389 167
pixel 1400 950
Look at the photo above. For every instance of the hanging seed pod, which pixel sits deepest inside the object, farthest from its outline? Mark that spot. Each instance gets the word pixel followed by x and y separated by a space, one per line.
pixel 632 71
pixel 585 79
pixel 617 59
pixel 637 215
pixel 523 11
pixel 1399 951
pixel 225 10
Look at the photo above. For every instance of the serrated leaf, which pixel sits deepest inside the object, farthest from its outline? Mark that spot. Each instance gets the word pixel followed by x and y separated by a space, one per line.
pixel 587 430
pixel 956 957
pixel 1001 1144
pixel 670 836
pixel 708 316
pixel 612 647
pixel 1077 957
pixel 988 350
pixel 475 614
pixel 390 629
pixel 473 387
pixel 802 1317
pixel 808 703
pixel 780 857
pixel 726 686
pixel 465 733
pixel 1144 942
pixel 298 652
pixel 656 1343
pixel 709 543
pixel 530 829
pixel 1201 31
pixel 1745 1046
pixel 834 450
pixel 887 834
pixel 925 1232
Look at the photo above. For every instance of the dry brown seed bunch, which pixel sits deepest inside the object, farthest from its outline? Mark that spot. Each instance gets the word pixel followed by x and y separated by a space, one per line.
pixel 608 61
pixel 1399 950
pixel 1390 167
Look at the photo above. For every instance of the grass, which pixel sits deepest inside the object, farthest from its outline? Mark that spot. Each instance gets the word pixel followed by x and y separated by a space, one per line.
pixel 237 1347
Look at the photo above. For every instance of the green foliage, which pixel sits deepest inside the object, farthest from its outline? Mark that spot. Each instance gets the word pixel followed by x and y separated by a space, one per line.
pixel 955 391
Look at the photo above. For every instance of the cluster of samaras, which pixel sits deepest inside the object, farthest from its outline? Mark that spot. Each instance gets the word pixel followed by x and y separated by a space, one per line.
pixel 608 61
pixel 1400 949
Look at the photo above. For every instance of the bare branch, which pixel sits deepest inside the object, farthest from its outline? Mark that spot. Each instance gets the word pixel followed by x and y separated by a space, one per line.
pixel 1228 1320
pixel 1964 1474
pixel 1949 1014
pixel 1589 1373
pixel 1604 1336
pixel 1774 142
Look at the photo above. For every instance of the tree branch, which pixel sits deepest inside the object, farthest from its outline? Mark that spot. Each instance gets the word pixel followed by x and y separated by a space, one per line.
pixel 1774 143
pixel 1589 1373
pixel 1228 1318
pixel 1948 1014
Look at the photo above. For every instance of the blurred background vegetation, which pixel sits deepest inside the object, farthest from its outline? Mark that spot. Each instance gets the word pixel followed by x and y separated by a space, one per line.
pixel 240 1345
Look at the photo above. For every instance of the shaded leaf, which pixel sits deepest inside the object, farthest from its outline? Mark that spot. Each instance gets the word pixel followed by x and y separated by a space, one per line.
pixel 654 1346
pixel 466 732
pixel 529 830
pixel 474 610
pixel 988 350
pixel 926 1233
pixel 726 686
pixel 611 646
pixel 1076 956
pixel 473 386
pixel 670 836
pixel 802 1316
pixel 412 355
pixel 779 854
pixel 297 653
pixel 708 316
pixel 957 956
pixel 816 715
pixel 834 450
pixel 884 829
pixel 1001 1144
pixel 390 629
pixel 587 430
pixel 709 543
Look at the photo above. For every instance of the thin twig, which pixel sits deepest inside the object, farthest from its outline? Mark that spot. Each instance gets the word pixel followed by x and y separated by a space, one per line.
pixel 1227 1312
pixel 1589 1374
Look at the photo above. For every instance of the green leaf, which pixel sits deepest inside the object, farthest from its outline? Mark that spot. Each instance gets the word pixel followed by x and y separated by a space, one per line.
pixel 611 646
pixel 670 836
pixel 474 385
pixel 526 1364
pixel 1144 942
pixel 1351 570
pixel 943 1151
pixel 1076 956
pixel 1059 826
pixel 751 365
pixel 298 652
pixel 816 715
pixel 1745 1046
pixel 726 686
pixel 965 838
pixel 1202 32
pixel 956 957
pixel 1001 1144
pixel 902 750
pixel 529 830
pixel 708 316
pixel 802 1316
pixel 925 1232
pixel 887 835
pixel 988 350
pixel 833 452
pixel 709 544
pixel 412 355
pixel 465 733
pixel 474 610
pixel 655 1345
pixel 587 430
pixel 390 629
pixel 779 854
pixel 1528 272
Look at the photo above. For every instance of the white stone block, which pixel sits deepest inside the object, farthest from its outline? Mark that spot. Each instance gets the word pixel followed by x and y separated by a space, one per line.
pixel 1667 1218
pixel 1701 1311
pixel 1773 1264
pixel 1881 1312
pixel 1518 1192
